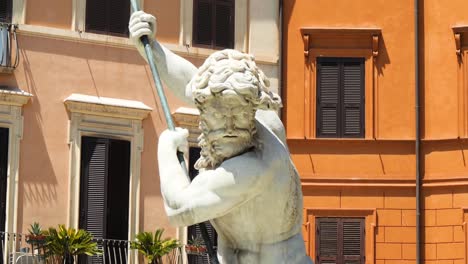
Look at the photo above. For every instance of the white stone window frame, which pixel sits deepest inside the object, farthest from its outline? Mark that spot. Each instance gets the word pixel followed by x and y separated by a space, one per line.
pixel 19 11
pixel 240 26
pixel 11 104
pixel 109 118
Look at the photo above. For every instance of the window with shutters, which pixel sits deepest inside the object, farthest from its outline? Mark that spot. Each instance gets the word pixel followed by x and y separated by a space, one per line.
pixel 6 7
pixel 194 231
pixel 106 141
pixel 213 23
pixel 340 97
pixel 108 17
pixel 3 175
pixel 104 188
pixel 340 240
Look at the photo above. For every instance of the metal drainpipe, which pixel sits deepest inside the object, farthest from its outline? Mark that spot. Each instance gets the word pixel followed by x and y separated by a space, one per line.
pixel 418 136
pixel 280 56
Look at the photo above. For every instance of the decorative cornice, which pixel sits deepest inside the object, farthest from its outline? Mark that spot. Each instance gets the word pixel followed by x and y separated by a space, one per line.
pixel 14 97
pixel 340 31
pixel 319 32
pixel 457 33
pixel 111 107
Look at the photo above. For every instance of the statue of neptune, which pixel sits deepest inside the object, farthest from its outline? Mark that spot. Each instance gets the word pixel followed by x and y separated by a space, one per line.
pixel 248 186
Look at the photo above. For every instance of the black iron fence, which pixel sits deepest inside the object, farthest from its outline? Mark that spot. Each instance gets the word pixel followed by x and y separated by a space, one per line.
pixel 18 249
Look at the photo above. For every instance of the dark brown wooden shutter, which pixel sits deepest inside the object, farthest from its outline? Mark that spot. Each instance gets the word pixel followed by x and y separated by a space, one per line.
pixel 119 15
pixel 202 22
pixel 327 241
pixel 353 238
pixel 224 24
pixel 118 190
pixel 213 23
pixel 107 17
pixel 353 97
pixel 340 241
pixel 94 156
pixel 3 174
pixel 340 97
pixel 6 7
pixel 328 89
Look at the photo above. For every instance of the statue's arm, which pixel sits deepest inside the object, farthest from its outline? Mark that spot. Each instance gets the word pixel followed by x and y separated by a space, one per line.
pixel 212 193
pixel 174 71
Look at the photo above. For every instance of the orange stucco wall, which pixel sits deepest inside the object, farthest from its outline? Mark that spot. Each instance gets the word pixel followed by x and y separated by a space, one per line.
pixel 376 174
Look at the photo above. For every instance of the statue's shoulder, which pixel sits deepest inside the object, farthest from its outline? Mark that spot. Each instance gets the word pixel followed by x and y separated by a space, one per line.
pixel 270 120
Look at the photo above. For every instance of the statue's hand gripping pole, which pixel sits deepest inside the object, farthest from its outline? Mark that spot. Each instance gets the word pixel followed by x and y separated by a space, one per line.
pixel 170 123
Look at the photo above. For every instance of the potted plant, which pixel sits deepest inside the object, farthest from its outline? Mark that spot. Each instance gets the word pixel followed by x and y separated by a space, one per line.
pixel 152 247
pixel 64 244
pixel 36 238
pixel 195 246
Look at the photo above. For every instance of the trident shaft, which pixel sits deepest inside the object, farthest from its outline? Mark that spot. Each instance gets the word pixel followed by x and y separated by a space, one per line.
pixel 170 124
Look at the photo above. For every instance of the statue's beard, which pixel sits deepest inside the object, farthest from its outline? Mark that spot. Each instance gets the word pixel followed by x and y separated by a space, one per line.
pixel 217 146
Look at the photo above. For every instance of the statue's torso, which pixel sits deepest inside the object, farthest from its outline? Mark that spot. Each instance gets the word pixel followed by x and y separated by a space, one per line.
pixel 266 228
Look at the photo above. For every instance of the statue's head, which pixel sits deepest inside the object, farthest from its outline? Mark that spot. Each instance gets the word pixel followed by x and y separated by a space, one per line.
pixel 228 89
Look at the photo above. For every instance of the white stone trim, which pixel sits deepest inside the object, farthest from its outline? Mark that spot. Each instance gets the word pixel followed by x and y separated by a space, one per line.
pixel 111 118
pixel 19 11
pixel 11 103
pixel 240 25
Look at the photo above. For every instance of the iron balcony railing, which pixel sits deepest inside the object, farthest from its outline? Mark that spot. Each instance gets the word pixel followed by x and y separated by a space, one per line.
pixel 17 249
pixel 9 50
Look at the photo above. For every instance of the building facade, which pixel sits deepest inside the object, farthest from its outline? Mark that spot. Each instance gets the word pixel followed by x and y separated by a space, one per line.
pixel 79 115
pixel 349 86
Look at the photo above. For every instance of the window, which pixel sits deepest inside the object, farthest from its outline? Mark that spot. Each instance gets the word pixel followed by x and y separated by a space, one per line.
pixel 194 231
pixel 3 175
pixel 340 240
pixel 5 11
pixel 213 23
pixel 108 17
pixel 109 125
pixel 340 97
pixel 104 188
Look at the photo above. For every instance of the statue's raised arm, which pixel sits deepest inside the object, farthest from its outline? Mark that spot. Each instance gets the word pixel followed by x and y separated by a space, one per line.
pixel 175 71
pixel 247 186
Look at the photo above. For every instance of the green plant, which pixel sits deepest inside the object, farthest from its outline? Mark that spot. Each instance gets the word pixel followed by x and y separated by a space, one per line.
pixel 36 238
pixel 35 229
pixel 196 245
pixel 66 243
pixel 153 248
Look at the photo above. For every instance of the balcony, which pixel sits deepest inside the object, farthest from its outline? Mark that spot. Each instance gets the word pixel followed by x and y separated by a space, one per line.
pixel 9 51
pixel 14 249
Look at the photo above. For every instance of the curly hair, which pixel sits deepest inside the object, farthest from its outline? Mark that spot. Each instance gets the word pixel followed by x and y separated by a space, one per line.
pixel 228 71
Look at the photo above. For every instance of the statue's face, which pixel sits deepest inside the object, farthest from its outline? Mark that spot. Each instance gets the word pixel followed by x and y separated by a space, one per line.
pixel 228 123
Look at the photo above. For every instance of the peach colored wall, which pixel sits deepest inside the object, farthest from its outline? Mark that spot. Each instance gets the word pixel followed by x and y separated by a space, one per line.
pixel 168 14
pixel 52 70
pixel 52 13
pixel 59 13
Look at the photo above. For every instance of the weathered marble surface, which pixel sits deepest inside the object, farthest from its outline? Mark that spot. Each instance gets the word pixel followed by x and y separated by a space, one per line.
pixel 248 186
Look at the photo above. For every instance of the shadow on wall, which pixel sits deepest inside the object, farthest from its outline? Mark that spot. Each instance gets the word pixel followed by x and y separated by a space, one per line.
pixel 37 178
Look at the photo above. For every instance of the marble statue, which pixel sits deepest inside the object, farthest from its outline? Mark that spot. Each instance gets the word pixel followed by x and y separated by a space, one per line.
pixel 248 187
